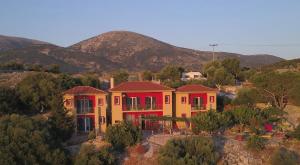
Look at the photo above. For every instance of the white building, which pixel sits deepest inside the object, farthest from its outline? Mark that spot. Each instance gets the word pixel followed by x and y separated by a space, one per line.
pixel 186 76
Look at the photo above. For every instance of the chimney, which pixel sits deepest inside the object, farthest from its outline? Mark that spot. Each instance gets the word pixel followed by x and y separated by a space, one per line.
pixel 112 82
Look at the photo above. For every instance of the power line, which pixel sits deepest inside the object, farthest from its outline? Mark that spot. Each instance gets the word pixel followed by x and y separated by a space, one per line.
pixel 213 52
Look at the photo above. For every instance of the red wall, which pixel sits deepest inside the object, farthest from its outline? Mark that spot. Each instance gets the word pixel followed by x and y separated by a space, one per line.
pixel 142 96
pixel 203 95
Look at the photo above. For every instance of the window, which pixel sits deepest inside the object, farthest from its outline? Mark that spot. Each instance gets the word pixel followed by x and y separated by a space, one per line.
pixel 167 99
pixel 117 100
pixel 197 103
pixel 133 103
pixel 84 106
pixel 101 120
pixel 100 102
pixel 183 100
pixel 150 102
pixel 212 99
pixel 69 102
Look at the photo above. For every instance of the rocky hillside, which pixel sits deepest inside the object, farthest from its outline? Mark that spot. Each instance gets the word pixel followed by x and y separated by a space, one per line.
pixel 8 43
pixel 123 50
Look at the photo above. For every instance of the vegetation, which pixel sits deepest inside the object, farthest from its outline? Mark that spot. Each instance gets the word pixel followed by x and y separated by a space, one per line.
pixel 278 88
pixel 171 76
pixel 296 133
pixel 9 101
pixel 92 135
pixel 39 92
pixel 147 75
pixel 247 97
pixel 256 143
pixel 26 140
pixel 122 135
pixel 190 151
pixel 120 76
pixel 209 122
pixel 283 157
pixel 89 155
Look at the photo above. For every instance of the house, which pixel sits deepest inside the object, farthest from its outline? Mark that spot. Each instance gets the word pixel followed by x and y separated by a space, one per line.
pixel 89 106
pixel 135 101
pixel 186 76
pixel 193 99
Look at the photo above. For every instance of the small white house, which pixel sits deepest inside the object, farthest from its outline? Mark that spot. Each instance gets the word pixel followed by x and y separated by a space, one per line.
pixel 186 76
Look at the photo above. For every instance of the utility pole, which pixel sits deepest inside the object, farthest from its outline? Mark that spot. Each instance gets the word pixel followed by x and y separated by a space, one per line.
pixel 213 52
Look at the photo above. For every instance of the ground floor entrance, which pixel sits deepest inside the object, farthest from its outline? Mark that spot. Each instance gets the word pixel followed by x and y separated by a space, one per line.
pixel 138 119
pixel 85 123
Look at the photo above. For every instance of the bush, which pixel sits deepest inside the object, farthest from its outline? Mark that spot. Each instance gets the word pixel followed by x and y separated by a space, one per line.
pixel 9 101
pixel 88 155
pixel 123 135
pixel 247 97
pixel 284 157
pixel 296 133
pixel 26 140
pixel 206 122
pixel 256 143
pixel 92 135
pixel 197 150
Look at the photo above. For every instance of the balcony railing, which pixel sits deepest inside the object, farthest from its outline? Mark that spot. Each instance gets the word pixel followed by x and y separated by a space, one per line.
pixel 198 107
pixel 85 110
pixel 129 107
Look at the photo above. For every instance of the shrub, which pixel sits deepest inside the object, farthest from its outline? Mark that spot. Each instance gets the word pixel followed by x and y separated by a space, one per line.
pixel 284 157
pixel 197 150
pixel 296 133
pixel 88 155
pixel 206 122
pixel 92 135
pixel 256 143
pixel 123 135
pixel 26 140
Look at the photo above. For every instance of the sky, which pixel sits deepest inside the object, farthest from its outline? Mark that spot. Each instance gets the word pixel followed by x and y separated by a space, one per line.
pixel 239 26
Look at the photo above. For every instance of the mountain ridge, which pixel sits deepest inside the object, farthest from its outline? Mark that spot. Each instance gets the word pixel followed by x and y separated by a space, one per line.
pixel 126 50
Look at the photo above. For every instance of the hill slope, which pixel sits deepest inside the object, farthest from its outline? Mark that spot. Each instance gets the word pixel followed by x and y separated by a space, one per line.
pixel 8 42
pixel 123 50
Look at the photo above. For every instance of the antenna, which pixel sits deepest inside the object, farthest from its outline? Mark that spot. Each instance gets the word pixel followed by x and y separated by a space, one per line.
pixel 213 52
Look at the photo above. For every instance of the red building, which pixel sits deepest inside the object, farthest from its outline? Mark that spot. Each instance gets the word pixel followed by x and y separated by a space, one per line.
pixel 132 101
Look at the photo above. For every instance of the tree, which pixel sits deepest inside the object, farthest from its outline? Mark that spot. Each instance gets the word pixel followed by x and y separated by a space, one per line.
pixel 38 91
pixel 246 97
pixel 221 77
pixel 89 155
pixel 26 140
pixel 278 88
pixel 190 151
pixel 91 80
pixel 120 76
pixel 123 135
pixel 147 75
pixel 171 73
pixel 9 101
pixel 66 81
pixel 232 66
pixel 206 122
pixel 61 123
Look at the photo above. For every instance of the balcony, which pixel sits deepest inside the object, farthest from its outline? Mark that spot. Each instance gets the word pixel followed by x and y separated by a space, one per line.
pixel 85 110
pixel 146 107
pixel 198 107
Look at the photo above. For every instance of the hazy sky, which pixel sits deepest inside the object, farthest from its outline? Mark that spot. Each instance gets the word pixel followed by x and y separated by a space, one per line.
pixel 240 26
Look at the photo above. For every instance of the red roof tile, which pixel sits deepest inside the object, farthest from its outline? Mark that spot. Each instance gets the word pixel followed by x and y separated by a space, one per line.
pixel 84 90
pixel 140 86
pixel 194 88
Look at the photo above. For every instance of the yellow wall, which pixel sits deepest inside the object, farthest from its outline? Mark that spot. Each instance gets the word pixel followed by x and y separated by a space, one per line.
pixel 182 108
pixel 186 108
pixel 100 110
pixel 167 108
pixel 116 110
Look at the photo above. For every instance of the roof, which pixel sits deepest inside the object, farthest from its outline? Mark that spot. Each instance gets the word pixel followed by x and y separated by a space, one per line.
pixel 140 86
pixel 84 90
pixel 194 88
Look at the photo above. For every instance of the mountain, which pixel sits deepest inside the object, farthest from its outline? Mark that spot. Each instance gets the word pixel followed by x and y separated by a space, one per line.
pixel 123 50
pixel 8 42
pixel 135 51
